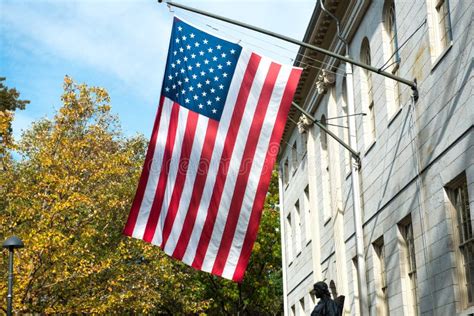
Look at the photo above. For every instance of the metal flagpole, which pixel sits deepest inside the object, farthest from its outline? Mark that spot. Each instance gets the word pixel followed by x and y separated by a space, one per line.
pixel 412 84
pixel 356 198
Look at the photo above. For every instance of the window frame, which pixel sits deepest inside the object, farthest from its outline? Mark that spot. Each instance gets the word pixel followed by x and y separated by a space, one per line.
pixel 394 98
pixel 307 212
pixel 346 133
pixel 286 171
pixel 438 47
pixel 326 172
pixel 390 25
pixel 298 227
pixel 443 23
pixel 380 274
pixel 302 305
pixel 289 237
pixel 368 103
pixel 409 256
pixel 465 282
pixel 294 157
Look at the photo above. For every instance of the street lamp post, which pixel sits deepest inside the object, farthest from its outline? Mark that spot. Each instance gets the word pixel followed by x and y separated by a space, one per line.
pixel 11 244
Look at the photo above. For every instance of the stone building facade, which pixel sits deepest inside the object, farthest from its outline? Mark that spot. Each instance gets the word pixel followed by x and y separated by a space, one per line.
pixel 416 162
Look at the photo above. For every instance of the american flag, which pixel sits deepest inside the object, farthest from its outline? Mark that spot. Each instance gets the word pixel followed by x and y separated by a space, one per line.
pixel 214 143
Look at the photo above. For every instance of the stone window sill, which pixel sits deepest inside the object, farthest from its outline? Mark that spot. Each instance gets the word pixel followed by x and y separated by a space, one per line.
pixel 394 116
pixel 441 56
pixel 369 147
pixel 327 220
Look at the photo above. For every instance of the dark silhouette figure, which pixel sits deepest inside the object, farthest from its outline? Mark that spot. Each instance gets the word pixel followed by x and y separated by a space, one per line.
pixel 326 306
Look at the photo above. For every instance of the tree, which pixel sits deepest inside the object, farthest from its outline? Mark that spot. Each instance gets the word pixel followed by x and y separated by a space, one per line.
pixel 261 291
pixel 68 197
pixel 69 201
pixel 9 103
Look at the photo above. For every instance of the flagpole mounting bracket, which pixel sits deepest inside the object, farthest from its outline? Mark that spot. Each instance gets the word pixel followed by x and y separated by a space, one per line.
pixel 414 90
pixel 322 126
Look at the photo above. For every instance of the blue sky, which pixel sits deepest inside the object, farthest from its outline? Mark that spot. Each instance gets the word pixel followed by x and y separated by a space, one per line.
pixel 121 45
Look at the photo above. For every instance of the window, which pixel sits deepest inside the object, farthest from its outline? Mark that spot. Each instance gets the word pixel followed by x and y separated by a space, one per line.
pixel 408 245
pixel 459 198
pixel 380 277
pixel 345 123
pixel 391 30
pixel 289 237
pixel 294 158
pixel 312 300
pixel 368 96
pixel 298 226
pixel 307 219
pixel 323 135
pixel 286 172
pixel 393 56
pixel 439 24
pixel 302 311
pixel 325 173
pixel 304 145
pixel 443 25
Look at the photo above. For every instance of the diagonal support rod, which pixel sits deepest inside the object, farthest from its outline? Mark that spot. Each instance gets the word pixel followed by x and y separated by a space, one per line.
pixel 324 128
pixel 412 84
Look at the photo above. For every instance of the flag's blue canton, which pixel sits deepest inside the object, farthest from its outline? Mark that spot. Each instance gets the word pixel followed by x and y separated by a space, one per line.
pixel 199 70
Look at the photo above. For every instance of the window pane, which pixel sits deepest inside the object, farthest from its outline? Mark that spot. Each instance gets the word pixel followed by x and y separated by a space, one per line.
pixel 392 33
pixel 407 231
pixel 442 11
pixel 460 201
pixel 469 266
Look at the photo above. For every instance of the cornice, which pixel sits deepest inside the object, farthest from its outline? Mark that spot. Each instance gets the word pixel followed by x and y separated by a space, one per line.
pixel 321 32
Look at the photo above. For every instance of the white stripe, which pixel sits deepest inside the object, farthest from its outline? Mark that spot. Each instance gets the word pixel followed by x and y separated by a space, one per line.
pixel 172 172
pixel 191 174
pixel 256 172
pixel 234 165
pixel 155 170
pixel 216 156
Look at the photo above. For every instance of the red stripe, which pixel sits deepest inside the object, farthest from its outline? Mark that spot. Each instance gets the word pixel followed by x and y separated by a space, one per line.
pixel 245 167
pixel 262 188
pixel 137 201
pixel 199 182
pixel 225 158
pixel 181 176
pixel 161 187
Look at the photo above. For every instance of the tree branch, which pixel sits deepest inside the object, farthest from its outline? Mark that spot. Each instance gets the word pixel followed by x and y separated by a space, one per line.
pixel 222 300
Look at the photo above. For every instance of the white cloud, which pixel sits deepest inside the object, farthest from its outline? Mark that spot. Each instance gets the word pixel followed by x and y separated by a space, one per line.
pixel 120 38
pixel 121 45
pixel 130 38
